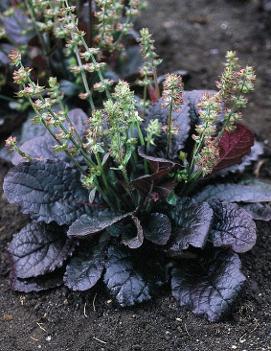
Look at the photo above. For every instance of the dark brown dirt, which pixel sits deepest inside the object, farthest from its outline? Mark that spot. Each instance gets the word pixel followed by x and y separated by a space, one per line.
pixel 192 35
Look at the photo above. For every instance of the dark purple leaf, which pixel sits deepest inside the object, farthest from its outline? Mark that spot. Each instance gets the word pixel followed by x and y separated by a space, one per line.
pixel 180 72
pixel 233 227
pixel 192 222
pixel 210 286
pixel 130 62
pixel 266 5
pixel 4 52
pixel 35 147
pixel 193 98
pixel 181 124
pixel 39 249
pixel 4 5
pixel 233 146
pixel 47 190
pixel 37 284
pixel 85 269
pixel 133 235
pixel 124 282
pixel 157 228
pixel 79 120
pixel 258 211
pixel 87 225
pixel 252 191
pixel 39 148
pixel 68 88
pixel 159 166
pixel 256 151
pixel 18 27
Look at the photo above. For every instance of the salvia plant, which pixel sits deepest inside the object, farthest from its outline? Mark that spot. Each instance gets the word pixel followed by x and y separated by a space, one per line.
pixel 134 193
pixel 41 31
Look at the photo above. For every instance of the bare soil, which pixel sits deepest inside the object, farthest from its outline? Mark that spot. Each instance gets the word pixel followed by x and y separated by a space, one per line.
pixel 192 35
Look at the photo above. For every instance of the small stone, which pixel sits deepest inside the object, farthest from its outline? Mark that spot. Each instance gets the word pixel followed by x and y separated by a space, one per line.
pixel 234 347
pixel 214 51
pixel 7 317
pixel 48 338
pixel 224 25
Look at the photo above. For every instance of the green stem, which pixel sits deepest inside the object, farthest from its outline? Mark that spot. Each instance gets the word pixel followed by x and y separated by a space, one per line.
pixel 128 21
pixel 6 98
pixel 84 79
pixel 145 91
pixel 54 137
pixel 100 75
pixel 169 131
pixel 157 90
pixel 31 9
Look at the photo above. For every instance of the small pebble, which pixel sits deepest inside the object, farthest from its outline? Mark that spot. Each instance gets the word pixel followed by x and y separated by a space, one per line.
pixel 224 25
pixel 48 338
pixel 7 317
pixel 214 51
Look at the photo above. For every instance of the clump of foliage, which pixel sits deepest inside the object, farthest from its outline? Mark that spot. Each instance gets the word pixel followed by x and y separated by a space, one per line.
pixel 36 28
pixel 133 194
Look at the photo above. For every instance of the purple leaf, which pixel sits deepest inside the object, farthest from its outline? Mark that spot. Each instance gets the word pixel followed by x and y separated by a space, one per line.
pixel 160 167
pixel 192 223
pixel 18 27
pixel 193 98
pixel 181 124
pixel 39 249
pixel 124 282
pixel 4 52
pixel 210 286
pixel 252 191
pixel 85 269
pixel 47 190
pixel 157 228
pixel 256 151
pixel 79 120
pixel 130 63
pixel 258 211
pixel 87 225
pixel 39 148
pixel 37 284
pixel 133 235
pixel 233 146
pixel 233 227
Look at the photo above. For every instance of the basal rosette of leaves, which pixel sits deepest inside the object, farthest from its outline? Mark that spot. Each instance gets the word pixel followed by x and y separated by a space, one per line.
pixel 140 193
pixel 192 245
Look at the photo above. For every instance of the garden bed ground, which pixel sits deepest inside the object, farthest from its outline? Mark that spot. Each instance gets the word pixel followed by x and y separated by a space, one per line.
pixel 192 35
